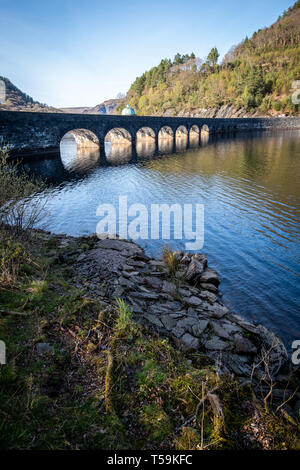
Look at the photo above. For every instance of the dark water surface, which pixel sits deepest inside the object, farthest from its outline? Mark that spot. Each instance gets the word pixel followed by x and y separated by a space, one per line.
pixel 250 190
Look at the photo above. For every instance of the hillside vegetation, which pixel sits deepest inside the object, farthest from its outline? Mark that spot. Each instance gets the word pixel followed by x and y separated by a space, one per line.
pixel 256 76
pixel 16 100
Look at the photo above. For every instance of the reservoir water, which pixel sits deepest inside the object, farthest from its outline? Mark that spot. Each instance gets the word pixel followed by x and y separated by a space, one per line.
pixel 249 186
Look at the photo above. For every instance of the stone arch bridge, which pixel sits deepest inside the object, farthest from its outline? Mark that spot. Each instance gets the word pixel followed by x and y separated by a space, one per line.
pixel 29 133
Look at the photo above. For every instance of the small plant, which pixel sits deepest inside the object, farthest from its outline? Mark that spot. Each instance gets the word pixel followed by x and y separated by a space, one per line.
pixel 124 314
pixel 12 256
pixel 170 260
pixel 19 208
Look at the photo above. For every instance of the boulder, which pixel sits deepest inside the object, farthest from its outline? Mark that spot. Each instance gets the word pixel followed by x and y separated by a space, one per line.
pixel 193 301
pixel 209 287
pixel 219 330
pixel 209 296
pixel 169 287
pixel 153 319
pixel 194 271
pixel 199 327
pixel 210 276
pixel 187 343
pixel 168 321
pixel 244 345
pixel 216 344
pixel 217 310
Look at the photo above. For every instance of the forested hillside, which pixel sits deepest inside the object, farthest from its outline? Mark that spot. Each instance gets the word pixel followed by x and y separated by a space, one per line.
pixel 255 77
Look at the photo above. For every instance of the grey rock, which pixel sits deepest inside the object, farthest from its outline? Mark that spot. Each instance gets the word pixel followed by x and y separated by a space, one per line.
pixel 192 301
pixel 201 258
pixel 244 345
pixel 194 271
pixel 155 262
pixel 153 319
pixel 136 263
pixel 178 332
pixel 169 287
pixel 210 276
pixel 217 310
pixel 209 296
pixel 219 330
pixel 230 328
pixel 168 321
pixel 236 364
pixel 81 257
pixel 199 327
pixel 145 295
pixel 216 344
pixel 118 292
pixel 184 292
pixel 187 323
pixel 129 274
pixel 125 282
pixel 186 259
pixel 188 343
pixel 128 248
pixel 209 287
pixel 153 282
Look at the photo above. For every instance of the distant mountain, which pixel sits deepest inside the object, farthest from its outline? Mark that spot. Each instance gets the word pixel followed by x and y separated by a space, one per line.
pixel 107 107
pixel 14 99
pixel 255 78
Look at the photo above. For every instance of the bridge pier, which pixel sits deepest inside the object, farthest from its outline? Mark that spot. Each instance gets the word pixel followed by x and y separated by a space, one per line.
pixel 134 155
pixel 102 158
pixel 188 139
pixel 156 151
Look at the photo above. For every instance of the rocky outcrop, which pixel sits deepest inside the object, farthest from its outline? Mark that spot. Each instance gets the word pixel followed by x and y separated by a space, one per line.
pixel 225 111
pixel 107 107
pixel 13 99
pixel 185 307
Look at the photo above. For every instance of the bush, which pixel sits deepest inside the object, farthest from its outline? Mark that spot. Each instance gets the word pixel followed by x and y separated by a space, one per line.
pixel 19 207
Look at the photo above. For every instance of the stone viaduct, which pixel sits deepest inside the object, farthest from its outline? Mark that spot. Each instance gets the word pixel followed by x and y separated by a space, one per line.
pixel 29 133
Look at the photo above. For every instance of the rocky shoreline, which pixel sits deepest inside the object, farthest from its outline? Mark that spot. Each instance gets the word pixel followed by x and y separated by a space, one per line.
pixel 184 305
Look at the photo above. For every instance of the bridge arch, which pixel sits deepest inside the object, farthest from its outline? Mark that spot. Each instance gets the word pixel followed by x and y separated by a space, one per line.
pixel 166 132
pixel 145 133
pixel 181 131
pixel 145 142
pixel 118 145
pixel 194 135
pixel 181 138
pixel 79 149
pixel 166 140
pixel 205 132
pixel 80 137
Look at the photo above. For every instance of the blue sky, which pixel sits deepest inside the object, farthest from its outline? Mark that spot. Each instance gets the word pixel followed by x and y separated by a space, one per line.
pixel 81 52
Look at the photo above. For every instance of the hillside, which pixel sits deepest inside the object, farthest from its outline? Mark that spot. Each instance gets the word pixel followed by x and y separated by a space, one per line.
pixel 107 107
pixel 16 100
pixel 254 78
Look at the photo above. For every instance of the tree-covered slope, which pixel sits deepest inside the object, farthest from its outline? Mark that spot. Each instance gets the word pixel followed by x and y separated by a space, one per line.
pixel 255 77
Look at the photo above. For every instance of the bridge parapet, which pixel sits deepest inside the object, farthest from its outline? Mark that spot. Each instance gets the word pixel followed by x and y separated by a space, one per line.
pixel 35 133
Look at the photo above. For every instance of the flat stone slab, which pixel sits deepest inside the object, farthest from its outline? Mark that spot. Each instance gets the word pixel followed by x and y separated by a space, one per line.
pixel 188 343
pixel 210 276
pixel 199 327
pixel 193 301
pixel 216 344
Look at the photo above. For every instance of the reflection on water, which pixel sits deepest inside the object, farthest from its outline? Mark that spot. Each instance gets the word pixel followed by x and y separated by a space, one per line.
pixel 145 147
pixel 250 190
pixel 79 159
pixel 118 153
